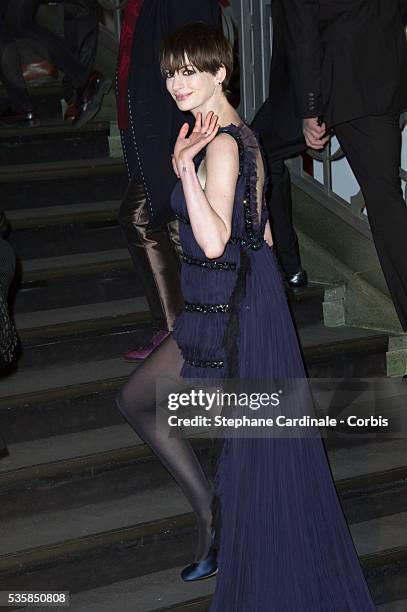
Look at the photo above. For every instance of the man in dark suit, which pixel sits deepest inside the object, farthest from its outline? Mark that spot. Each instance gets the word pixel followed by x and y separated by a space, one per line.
pixel 149 122
pixel 280 130
pixel 349 67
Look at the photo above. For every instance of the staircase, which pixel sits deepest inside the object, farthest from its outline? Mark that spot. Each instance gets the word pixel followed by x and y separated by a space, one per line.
pixel 84 505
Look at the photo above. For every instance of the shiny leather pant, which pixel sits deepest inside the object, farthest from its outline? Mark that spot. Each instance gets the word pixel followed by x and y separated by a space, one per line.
pixel 155 254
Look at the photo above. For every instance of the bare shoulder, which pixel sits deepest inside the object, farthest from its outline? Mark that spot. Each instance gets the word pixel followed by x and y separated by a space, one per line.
pixel 223 149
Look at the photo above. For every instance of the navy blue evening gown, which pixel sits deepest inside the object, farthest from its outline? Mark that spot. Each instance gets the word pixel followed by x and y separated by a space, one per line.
pixel 284 542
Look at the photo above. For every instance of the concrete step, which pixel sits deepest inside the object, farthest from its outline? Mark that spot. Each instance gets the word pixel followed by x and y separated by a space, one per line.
pixel 88 467
pixel 162 591
pixel 70 280
pixel 107 463
pixel 143 594
pixel 394 606
pixel 68 239
pixel 46 101
pixel 328 352
pixel 46 143
pixel 92 331
pixel 57 549
pixel 52 216
pixel 65 230
pixel 45 268
pixel 56 378
pixel 61 183
pixel 82 391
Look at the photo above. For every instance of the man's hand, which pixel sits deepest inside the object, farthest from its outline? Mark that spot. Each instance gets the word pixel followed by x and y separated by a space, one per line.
pixel 314 133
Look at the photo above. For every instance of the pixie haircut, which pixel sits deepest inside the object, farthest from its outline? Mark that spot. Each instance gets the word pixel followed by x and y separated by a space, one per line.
pixel 205 47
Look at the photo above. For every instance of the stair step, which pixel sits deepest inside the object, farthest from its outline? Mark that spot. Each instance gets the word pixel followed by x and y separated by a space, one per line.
pixel 39 380
pixel 110 462
pixel 65 230
pixel 306 303
pixel 76 395
pixel 71 280
pixel 143 594
pixel 334 352
pixel 394 606
pixel 98 466
pixel 32 325
pixel 81 406
pixel 60 183
pixel 54 143
pixel 51 216
pixel 156 533
pixel 331 352
pixel 46 268
pixel 46 101
pixel 92 331
pixel 71 238
pixel 162 592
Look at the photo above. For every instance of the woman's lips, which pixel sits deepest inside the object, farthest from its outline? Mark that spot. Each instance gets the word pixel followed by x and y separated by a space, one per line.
pixel 179 98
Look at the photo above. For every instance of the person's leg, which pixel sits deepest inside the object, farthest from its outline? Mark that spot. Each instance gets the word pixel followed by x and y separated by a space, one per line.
pixel 81 29
pixel 11 72
pixel 20 16
pixel 153 255
pixel 136 402
pixel 280 207
pixel 372 146
pixel 173 234
pixel 277 148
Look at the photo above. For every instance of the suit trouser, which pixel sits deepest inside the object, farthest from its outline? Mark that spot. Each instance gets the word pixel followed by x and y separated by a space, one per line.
pixel 279 199
pixel 155 254
pixel 81 30
pixel 280 207
pixel 372 146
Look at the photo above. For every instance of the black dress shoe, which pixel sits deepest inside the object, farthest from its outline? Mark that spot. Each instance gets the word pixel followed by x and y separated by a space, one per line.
pixel 298 280
pixel 90 98
pixel 202 569
pixel 24 118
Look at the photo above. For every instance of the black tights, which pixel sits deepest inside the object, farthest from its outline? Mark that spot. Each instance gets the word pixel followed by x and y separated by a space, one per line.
pixel 136 401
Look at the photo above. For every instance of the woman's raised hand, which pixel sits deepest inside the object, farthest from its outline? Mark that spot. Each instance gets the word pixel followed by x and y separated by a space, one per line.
pixel 186 148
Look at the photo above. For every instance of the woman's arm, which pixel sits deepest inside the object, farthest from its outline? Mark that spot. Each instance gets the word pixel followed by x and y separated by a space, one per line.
pixel 210 209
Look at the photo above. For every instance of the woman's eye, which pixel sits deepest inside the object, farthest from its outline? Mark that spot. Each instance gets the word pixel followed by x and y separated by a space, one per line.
pixel 188 72
pixel 168 75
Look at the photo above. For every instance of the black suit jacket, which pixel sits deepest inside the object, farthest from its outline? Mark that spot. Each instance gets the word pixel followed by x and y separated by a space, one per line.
pixel 348 57
pixel 154 118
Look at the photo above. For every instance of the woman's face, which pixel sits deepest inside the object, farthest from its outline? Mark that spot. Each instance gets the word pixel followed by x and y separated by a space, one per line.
pixel 190 88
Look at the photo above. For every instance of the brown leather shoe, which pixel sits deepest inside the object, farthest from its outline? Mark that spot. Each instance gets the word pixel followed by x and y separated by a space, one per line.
pixel 90 98
pixel 39 73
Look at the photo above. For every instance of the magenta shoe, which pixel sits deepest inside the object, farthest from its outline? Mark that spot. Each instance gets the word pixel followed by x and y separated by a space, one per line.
pixel 144 351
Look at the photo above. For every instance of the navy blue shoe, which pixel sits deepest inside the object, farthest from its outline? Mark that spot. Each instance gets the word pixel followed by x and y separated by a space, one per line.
pixel 202 569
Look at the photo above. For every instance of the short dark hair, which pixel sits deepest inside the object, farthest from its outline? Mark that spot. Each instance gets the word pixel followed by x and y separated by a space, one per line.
pixel 205 46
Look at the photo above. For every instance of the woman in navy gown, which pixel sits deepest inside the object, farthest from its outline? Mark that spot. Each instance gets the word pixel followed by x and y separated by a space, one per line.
pixel 284 544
